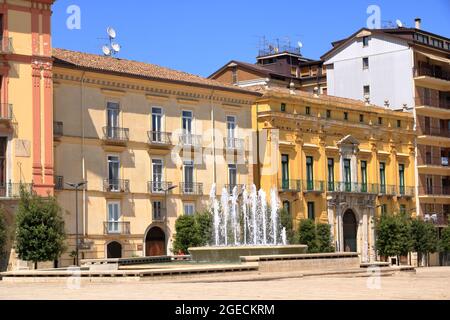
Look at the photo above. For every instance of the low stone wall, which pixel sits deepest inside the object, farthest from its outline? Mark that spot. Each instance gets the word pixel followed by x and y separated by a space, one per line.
pixel 305 262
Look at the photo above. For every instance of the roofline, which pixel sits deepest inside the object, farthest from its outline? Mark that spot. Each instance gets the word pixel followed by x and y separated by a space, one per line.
pixel 65 64
pixel 225 66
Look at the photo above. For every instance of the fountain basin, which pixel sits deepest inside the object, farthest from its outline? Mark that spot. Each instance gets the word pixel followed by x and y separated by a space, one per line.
pixel 234 254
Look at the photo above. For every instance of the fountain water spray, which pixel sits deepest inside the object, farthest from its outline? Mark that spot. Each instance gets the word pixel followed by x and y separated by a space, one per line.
pixel 274 213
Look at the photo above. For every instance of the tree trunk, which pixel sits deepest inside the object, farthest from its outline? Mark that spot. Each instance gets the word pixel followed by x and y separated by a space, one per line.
pixel 35 265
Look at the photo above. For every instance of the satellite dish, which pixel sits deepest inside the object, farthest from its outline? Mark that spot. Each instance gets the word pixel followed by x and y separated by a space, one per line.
pixel 399 23
pixel 115 46
pixel 111 32
pixel 300 45
pixel 106 50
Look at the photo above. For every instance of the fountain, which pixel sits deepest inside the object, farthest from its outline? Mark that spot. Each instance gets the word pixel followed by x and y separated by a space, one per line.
pixel 243 225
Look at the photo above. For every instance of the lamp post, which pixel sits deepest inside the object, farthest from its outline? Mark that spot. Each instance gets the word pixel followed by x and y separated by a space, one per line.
pixel 166 190
pixel 76 186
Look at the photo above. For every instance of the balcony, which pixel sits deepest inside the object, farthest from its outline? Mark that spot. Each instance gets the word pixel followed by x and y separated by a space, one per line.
pixel 432 76
pixel 230 188
pixel 58 130
pixel 6 45
pixel 59 183
pixel 116 186
pixel 433 165
pixel 434 131
pixel 190 140
pixel 437 191
pixel 406 192
pixel 439 103
pixel 290 186
pixel 314 186
pixel 159 216
pixel 116 228
pixel 387 190
pixel 352 187
pixel 192 188
pixel 6 114
pixel 159 187
pixel 11 190
pixel 158 139
pixel 233 144
pixel 116 136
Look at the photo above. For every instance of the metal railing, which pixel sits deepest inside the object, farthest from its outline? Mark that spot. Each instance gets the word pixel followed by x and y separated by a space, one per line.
pixel 58 129
pixel 434 131
pixel 291 185
pixel 159 216
pixel 6 111
pixel 11 190
pixel 188 139
pixel 433 161
pixel 432 71
pixel 230 188
pixel 233 143
pixel 352 187
pixel 314 186
pixel 159 187
pixel 404 191
pixel 159 138
pixel 6 45
pixel 434 191
pixel 116 185
pixel 386 189
pixel 433 102
pixel 192 188
pixel 59 183
pixel 116 227
pixel 116 134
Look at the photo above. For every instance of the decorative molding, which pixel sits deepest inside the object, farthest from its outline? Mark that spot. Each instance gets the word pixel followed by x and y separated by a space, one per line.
pixel 113 92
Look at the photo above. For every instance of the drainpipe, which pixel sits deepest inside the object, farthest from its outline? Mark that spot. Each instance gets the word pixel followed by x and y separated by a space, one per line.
pixel 83 168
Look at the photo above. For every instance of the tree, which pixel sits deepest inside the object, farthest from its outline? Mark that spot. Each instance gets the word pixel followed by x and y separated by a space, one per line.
pixel 444 244
pixel 204 223
pixel 424 238
pixel 186 234
pixel 393 235
pixel 307 235
pixel 40 231
pixel 323 236
pixel 286 222
pixel 3 233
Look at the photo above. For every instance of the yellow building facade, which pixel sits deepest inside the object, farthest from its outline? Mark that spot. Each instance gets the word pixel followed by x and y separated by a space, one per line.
pixel 336 161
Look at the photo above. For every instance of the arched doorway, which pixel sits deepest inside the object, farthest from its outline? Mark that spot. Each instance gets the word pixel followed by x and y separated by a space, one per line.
pixel 350 231
pixel 155 243
pixel 114 250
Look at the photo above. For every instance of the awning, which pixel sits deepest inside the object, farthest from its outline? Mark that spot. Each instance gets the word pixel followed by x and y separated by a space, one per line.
pixel 434 57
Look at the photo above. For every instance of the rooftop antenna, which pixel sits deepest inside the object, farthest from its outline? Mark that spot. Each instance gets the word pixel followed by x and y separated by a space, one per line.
pixel 399 23
pixel 112 48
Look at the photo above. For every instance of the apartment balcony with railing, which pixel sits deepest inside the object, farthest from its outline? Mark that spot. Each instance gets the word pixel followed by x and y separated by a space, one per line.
pixel 116 135
pixel 159 216
pixel 160 139
pixel 352 187
pixel 438 219
pixel 290 185
pixel 233 144
pixel 313 186
pixel 116 185
pixel 58 129
pixel 433 71
pixel 406 192
pixel 191 188
pixel 387 190
pixel 116 228
pixel 6 45
pixel 6 113
pixel 435 102
pixel 437 191
pixel 190 140
pixel 159 187
pixel 9 190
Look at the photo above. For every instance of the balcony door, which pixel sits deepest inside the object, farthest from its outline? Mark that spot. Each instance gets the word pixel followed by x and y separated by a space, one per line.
pixel 363 176
pixel 232 176
pixel 113 217
pixel 112 114
pixel 401 173
pixel 113 173
pixel 157 175
pixel 189 176
pixel 231 131
pixel 347 175
pixel 187 127
pixel 285 171
pixel 156 124
pixel 382 177
pixel 309 173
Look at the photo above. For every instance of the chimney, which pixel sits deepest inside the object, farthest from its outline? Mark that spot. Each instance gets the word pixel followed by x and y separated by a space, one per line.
pixel 386 104
pixel 418 23
pixel 316 92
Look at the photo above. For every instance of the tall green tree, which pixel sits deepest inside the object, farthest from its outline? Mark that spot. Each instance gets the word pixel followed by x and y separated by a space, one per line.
pixel 3 233
pixel 393 235
pixel 424 237
pixel 40 234
pixel 204 223
pixel 307 235
pixel 286 222
pixel 323 236
pixel 444 243
pixel 187 234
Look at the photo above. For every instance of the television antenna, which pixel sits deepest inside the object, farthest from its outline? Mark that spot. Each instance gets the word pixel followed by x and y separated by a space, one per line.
pixel 112 48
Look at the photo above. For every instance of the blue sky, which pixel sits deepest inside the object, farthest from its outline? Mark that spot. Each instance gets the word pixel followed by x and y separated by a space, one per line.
pixel 199 36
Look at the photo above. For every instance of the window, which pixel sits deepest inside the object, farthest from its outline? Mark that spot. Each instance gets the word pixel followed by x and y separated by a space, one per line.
pixel 365 41
pixel 399 123
pixel 361 118
pixel 157 176
pixel 157 211
pixel 285 171
pixel 189 209
pixel 380 121
pixel 234 75
pixel 364 176
pixel 382 177
pixel 232 175
pixel 187 122
pixel 311 213
pixel 283 107
pixel 401 174
pixel 308 111
pixel 328 114
pixel 294 72
pixel 188 176
pixel 402 209
pixel 112 114
pixel 347 175
pixel 429 183
pixel 366 91
pixel 365 63
pixel 113 173
pixel 113 217
pixel 156 124
pixel 231 131
pixel 331 174
pixel 309 173
pixel 345 115
pixel 383 208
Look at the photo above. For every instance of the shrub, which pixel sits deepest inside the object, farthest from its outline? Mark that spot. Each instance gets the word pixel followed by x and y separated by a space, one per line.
pixel 286 222
pixel 186 234
pixel 307 235
pixel 324 241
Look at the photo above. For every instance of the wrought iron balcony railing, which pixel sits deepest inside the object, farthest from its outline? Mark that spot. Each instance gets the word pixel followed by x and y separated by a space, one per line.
pixel 404 191
pixel 116 134
pixel 313 186
pixel 116 227
pixel 191 140
pixel 233 143
pixel 352 187
pixel 433 102
pixel 160 138
pixel 388 190
pixel 58 129
pixel 433 131
pixel 192 188
pixel 11 190
pixel 432 71
pixel 290 185
pixel 434 190
pixel 116 185
pixel 59 183
pixel 433 161
pixel 159 187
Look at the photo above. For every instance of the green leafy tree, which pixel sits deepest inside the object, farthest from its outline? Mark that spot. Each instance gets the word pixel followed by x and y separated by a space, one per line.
pixel 3 233
pixel 393 235
pixel 444 243
pixel 204 223
pixel 40 234
pixel 286 222
pixel 424 238
pixel 307 235
pixel 323 236
pixel 186 234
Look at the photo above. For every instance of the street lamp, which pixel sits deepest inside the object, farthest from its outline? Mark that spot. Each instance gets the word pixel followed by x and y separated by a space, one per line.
pixel 76 186
pixel 166 190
